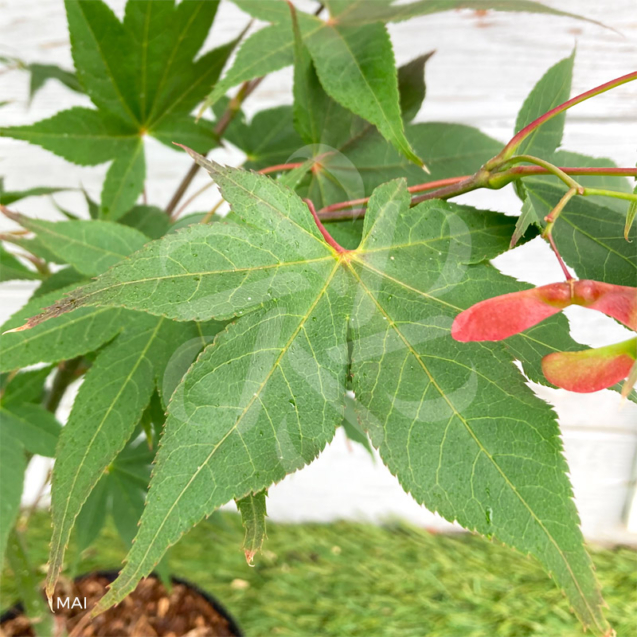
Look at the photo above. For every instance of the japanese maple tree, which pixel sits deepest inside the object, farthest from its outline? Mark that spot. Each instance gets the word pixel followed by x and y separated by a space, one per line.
pixel 224 349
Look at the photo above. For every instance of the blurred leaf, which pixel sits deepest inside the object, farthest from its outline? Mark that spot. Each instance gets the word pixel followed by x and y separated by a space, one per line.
pixel 352 428
pixel 355 66
pixel 12 269
pixel 198 135
pixel 63 278
pixel 411 86
pixel 7 197
pixel 25 386
pixel 589 236
pixel 150 220
pixel 36 428
pixel 13 464
pixel 188 220
pixel 91 247
pixel 92 517
pixel 42 73
pixel 269 139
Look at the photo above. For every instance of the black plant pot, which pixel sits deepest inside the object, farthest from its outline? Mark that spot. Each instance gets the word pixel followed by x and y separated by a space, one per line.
pixel 111 575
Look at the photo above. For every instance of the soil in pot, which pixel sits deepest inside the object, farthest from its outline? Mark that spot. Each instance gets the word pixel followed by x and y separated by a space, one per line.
pixel 149 611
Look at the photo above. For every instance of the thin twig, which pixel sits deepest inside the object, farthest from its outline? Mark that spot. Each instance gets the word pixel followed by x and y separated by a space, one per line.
pixel 212 211
pixel 224 121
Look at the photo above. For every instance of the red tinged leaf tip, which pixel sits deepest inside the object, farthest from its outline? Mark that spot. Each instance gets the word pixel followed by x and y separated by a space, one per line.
pixel 592 369
pixel 503 316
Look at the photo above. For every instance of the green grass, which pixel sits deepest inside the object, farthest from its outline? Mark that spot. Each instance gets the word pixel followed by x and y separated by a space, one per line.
pixel 349 579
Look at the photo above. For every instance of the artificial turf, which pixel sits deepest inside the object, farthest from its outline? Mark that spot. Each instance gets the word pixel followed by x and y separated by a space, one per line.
pixel 345 579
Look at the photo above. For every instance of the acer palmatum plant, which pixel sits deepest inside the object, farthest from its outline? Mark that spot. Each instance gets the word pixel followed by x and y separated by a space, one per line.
pixel 223 349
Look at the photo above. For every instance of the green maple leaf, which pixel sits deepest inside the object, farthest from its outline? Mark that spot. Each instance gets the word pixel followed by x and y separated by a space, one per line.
pixel 141 76
pixel 65 338
pixel 362 12
pixel 355 65
pixel 33 426
pixel 7 197
pixel 272 48
pixel 115 393
pixel 120 493
pixel 13 464
pixel 11 268
pixel 24 387
pixel 466 437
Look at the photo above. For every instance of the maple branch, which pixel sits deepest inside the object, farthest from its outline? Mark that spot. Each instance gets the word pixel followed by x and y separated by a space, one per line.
pixel 452 186
pixel 550 168
pixel 280 167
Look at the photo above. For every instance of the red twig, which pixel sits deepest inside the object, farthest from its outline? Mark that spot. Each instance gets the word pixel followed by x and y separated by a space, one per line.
pixel 280 167
pixel 517 139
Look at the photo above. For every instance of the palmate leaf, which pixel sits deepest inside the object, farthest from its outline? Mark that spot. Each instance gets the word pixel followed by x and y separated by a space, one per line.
pixel 271 48
pixel 141 76
pixel 462 435
pixel 355 65
pixel 465 437
pixel 91 247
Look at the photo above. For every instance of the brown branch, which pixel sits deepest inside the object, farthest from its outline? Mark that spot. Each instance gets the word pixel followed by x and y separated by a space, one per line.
pixel 224 121
pixel 454 186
